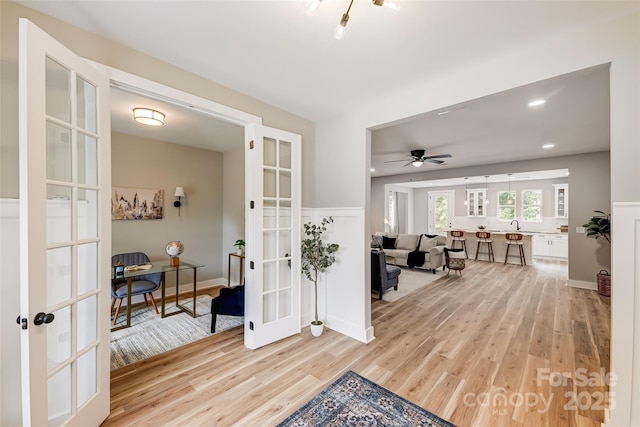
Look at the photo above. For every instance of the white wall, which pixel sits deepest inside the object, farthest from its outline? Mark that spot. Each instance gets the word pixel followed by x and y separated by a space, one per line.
pixel 616 42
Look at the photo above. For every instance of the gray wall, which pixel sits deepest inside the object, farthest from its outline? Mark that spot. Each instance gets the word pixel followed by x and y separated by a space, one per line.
pixel 589 190
pixel 147 163
pixel 232 203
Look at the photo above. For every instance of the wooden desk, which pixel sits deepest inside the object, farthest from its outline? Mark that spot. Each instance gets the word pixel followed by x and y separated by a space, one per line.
pixel 161 267
pixel 241 260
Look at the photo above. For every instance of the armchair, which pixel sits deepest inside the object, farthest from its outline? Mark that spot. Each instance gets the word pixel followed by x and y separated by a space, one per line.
pixel 144 284
pixel 383 276
pixel 230 302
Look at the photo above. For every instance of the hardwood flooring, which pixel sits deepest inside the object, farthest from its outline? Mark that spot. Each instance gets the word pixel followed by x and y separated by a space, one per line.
pixel 503 345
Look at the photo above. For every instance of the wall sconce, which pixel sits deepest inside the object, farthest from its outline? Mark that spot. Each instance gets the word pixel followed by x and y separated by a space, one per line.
pixel 179 194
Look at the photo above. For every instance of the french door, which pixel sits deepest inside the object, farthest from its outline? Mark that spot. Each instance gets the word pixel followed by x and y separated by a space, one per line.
pixel 65 234
pixel 272 289
pixel 441 211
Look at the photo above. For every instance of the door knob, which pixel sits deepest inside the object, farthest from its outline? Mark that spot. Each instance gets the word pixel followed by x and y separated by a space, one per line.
pixel 41 318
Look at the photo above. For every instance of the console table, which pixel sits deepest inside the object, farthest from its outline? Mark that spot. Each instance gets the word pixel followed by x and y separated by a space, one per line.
pixel 241 261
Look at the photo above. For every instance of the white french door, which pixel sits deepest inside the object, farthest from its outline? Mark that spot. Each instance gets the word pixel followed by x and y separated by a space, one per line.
pixel 441 206
pixel 272 289
pixel 65 234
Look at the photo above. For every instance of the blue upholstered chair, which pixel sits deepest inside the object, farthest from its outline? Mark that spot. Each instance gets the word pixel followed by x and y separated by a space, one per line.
pixel 383 276
pixel 144 284
pixel 230 302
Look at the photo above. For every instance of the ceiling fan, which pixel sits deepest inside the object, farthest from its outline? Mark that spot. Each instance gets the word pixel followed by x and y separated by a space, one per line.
pixel 418 158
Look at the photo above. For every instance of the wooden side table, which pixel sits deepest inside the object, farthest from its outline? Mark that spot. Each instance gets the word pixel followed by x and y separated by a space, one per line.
pixel 241 261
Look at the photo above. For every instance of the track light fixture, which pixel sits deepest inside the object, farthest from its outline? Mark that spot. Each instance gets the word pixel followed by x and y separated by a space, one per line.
pixel 342 25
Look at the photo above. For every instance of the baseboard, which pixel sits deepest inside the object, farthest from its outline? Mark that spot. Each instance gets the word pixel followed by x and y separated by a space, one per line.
pixel 349 329
pixel 582 284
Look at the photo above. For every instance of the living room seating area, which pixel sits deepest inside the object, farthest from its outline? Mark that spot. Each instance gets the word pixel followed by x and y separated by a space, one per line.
pixel 412 250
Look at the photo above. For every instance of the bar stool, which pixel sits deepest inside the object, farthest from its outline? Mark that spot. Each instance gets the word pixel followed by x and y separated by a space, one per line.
pixel 485 237
pixel 515 239
pixel 458 236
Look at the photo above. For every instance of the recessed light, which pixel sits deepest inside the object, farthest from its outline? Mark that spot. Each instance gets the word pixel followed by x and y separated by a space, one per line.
pixel 536 102
pixel 372 170
pixel 444 112
pixel 547 146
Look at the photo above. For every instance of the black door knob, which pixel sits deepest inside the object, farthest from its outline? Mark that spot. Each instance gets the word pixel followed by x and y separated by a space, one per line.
pixel 41 318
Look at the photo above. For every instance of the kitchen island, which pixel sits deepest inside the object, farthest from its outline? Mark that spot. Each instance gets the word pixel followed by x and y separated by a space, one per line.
pixel 499 246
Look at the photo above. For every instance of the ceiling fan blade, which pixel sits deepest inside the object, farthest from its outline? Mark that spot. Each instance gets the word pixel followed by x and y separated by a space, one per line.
pixel 408 163
pixel 437 162
pixel 437 156
pixel 393 161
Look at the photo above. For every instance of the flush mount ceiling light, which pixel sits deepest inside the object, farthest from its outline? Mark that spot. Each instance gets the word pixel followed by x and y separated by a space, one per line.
pixel 341 28
pixel 536 102
pixel 147 116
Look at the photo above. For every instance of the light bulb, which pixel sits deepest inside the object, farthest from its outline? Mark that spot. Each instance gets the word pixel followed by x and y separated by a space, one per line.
pixel 313 6
pixel 342 27
pixel 391 5
pixel 417 163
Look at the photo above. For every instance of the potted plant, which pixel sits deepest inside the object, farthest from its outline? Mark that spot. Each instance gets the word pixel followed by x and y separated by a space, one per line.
pixel 316 257
pixel 240 245
pixel 600 226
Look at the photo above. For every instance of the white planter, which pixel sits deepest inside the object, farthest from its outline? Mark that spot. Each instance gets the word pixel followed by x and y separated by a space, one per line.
pixel 316 330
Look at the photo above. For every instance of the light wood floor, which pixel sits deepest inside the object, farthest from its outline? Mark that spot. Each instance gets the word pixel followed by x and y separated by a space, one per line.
pixel 459 348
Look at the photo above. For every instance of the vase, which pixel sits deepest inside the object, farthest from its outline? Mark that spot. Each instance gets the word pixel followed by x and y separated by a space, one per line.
pixel 316 329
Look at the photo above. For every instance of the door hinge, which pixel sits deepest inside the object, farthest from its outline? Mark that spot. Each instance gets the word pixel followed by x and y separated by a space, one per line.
pixel 22 321
pixel 251 325
pixel 251 145
pixel 251 265
pixel 251 205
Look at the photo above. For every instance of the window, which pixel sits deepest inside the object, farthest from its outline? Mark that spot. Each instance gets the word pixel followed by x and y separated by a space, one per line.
pixel 506 205
pixel 532 205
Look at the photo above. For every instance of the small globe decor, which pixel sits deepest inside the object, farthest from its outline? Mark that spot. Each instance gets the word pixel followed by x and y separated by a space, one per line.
pixel 174 249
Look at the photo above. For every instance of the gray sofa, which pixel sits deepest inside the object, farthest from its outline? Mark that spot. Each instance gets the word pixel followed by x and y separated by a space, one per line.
pixel 398 246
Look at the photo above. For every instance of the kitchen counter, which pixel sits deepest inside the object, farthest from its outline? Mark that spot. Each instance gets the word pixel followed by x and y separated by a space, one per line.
pixel 499 246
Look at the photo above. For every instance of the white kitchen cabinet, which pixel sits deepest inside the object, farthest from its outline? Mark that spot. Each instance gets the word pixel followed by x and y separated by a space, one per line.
pixel 550 246
pixel 561 207
pixel 476 202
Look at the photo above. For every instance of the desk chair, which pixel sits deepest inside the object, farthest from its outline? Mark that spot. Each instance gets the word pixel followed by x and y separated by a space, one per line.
pixel 144 284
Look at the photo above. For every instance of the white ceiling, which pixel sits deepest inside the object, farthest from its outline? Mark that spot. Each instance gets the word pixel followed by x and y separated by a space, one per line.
pixel 273 51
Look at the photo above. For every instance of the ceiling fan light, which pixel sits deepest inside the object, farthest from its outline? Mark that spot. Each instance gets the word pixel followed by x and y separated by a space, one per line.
pixel 417 163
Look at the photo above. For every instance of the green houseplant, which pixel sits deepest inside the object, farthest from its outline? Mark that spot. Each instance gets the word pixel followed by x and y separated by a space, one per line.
pixel 600 226
pixel 240 245
pixel 316 257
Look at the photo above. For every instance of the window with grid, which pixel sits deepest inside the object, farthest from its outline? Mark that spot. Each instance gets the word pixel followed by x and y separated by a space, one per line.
pixel 532 205
pixel 506 205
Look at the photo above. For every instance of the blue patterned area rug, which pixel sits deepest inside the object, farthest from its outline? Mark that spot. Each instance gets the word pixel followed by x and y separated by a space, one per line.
pixel 355 401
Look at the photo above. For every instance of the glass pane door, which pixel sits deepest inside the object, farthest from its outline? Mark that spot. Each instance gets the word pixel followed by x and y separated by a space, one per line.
pixel 64 187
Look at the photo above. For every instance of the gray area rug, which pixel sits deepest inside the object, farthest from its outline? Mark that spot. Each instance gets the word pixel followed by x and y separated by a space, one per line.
pixel 355 401
pixel 150 334
pixel 410 280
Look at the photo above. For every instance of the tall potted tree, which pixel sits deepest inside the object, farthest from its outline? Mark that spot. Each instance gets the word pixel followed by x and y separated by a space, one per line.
pixel 600 226
pixel 317 256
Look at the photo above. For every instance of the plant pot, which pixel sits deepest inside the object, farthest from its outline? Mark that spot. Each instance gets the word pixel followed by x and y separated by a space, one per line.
pixel 316 328
pixel 240 252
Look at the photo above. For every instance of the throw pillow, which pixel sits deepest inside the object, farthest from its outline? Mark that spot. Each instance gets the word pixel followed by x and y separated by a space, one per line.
pixel 407 242
pixel 376 241
pixel 388 242
pixel 427 244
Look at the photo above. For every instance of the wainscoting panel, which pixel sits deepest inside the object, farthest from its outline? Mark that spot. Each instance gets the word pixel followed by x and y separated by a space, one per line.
pixel 342 293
